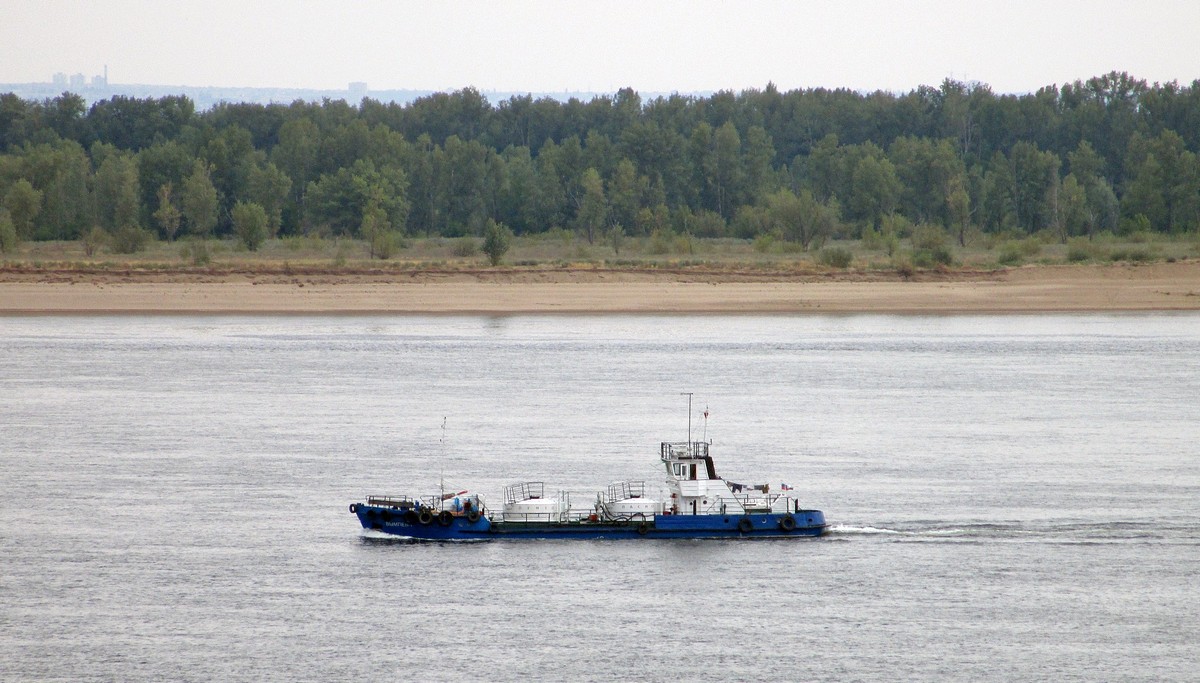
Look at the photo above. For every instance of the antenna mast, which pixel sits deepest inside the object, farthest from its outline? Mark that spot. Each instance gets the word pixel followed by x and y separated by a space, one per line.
pixel 442 463
pixel 689 440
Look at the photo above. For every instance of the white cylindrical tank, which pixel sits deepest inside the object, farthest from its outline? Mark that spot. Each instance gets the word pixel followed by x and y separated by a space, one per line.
pixel 532 510
pixel 647 507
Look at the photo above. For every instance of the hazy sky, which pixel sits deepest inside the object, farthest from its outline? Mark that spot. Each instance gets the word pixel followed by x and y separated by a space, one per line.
pixel 1013 45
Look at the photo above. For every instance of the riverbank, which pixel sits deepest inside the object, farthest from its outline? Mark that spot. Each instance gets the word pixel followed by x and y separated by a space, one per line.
pixel 1110 287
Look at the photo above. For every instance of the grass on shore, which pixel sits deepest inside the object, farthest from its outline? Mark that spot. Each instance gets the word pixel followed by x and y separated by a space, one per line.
pixel 564 250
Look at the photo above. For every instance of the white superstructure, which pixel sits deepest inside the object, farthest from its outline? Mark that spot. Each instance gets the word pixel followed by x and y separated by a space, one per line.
pixel 697 490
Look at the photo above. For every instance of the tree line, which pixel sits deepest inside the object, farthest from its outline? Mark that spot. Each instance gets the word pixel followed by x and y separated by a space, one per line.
pixel 1112 153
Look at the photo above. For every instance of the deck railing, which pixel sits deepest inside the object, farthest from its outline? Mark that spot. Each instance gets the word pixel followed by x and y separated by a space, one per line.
pixel 625 489
pixel 673 450
pixel 524 491
pixel 400 503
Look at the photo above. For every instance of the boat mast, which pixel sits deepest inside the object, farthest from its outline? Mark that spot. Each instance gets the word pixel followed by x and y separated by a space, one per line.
pixel 442 464
pixel 689 439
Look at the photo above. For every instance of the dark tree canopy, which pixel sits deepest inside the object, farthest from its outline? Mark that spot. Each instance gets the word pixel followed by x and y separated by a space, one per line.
pixel 1092 155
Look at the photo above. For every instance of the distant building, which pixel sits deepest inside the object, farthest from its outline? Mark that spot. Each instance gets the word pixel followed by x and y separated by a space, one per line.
pixel 356 91
pixel 59 80
pixel 78 81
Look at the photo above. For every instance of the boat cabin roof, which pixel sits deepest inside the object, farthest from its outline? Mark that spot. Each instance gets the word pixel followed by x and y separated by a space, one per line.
pixel 689 451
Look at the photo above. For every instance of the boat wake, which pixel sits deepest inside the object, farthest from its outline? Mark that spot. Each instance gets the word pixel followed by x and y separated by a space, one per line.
pixel 1078 532
pixel 856 530
pixel 375 536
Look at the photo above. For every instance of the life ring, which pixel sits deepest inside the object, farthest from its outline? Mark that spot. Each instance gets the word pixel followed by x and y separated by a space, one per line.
pixel 426 517
pixel 445 518
pixel 745 525
pixel 354 508
pixel 643 528
pixel 473 516
pixel 787 523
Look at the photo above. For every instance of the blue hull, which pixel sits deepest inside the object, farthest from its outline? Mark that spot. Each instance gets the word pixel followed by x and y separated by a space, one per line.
pixel 459 528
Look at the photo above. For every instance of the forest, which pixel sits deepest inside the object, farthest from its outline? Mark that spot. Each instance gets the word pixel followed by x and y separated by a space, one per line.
pixel 1109 154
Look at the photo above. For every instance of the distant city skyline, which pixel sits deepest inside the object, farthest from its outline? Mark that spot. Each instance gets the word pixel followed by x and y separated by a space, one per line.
pixel 540 46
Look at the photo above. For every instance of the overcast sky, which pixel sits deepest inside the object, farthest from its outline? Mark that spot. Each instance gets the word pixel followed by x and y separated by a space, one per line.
pixel 1012 45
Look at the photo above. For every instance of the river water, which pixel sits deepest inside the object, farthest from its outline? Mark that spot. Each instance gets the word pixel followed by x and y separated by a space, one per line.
pixel 1011 497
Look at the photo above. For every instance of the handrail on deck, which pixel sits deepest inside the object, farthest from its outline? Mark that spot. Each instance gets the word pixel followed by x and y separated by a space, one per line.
pixel 671 450
pixel 524 491
pixel 625 489
pixel 391 501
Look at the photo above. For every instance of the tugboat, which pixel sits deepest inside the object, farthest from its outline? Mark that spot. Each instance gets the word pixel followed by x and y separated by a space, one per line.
pixel 701 505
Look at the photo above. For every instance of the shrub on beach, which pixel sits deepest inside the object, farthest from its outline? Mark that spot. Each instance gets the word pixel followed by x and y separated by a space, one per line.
pixel 129 239
pixel 835 257
pixel 464 247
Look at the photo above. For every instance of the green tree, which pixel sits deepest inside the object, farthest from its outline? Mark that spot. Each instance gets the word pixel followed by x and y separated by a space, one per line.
pixel 61 171
pixel 249 224
pixel 760 154
pixel 117 192
pixel 724 170
pixel 875 189
pixel 337 201
pixel 269 187
pixel 1165 182
pixel 198 201
pixel 801 218
pixel 1085 162
pixel 616 237
pixel 230 156
pixel 23 203
pixel 497 239
pixel 166 215
pixel 593 214
pixel 1101 208
pixel 826 168
pixel 625 191
pixel 1035 179
pixel 998 190
pixel 161 163
pixel 463 187
pixel 1072 208
pixel 9 240
pixel 927 168
pixel 518 196
pixel 381 238
pixel 958 204
pixel 297 152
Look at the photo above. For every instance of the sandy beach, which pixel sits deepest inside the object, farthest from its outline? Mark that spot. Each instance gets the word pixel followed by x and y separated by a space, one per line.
pixel 1118 287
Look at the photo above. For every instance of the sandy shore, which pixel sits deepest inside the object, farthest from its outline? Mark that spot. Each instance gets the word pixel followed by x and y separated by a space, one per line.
pixel 1153 287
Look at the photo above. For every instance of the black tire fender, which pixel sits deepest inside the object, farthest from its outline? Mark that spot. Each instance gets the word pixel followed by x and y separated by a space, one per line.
pixel 787 523
pixel 446 518
pixel 354 508
pixel 745 525
pixel 426 517
pixel 643 528
pixel 473 516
